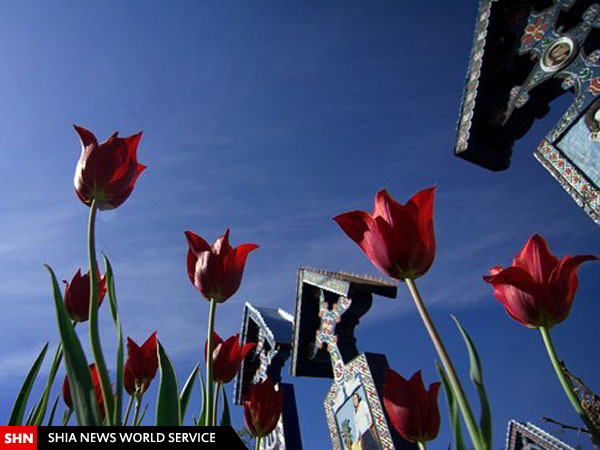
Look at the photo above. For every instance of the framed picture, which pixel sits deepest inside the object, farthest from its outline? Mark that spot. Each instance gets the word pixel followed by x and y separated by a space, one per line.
pixel 354 408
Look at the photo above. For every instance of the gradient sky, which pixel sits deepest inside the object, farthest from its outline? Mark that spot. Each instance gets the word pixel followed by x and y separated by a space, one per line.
pixel 271 117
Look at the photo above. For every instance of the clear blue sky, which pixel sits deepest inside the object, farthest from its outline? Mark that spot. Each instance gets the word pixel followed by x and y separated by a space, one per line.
pixel 271 117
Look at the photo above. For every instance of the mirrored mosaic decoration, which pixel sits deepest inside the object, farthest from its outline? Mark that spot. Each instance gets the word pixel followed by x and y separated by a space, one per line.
pixel 525 54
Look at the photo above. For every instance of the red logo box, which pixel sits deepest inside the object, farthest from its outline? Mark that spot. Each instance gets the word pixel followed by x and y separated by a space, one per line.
pixel 18 438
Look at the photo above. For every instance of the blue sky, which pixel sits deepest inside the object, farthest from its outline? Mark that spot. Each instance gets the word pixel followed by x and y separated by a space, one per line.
pixel 270 118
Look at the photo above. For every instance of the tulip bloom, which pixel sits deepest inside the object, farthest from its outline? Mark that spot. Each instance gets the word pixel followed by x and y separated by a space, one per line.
pixel 66 391
pixel 77 295
pixel 538 289
pixel 141 365
pixel 262 407
pixel 106 172
pixel 413 411
pixel 227 357
pixel 216 271
pixel 398 239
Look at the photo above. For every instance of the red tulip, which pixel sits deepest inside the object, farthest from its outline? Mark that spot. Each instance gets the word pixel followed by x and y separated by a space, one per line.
pixel 216 271
pixel 398 239
pixel 66 391
pixel 77 295
pixel 227 357
pixel 538 289
pixel 141 365
pixel 262 407
pixel 108 171
pixel 413 410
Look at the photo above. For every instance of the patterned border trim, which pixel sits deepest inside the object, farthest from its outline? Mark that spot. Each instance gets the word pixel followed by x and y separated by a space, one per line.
pixel 352 277
pixel 534 433
pixel 473 74
pixel 585 194
pixel 359 365
pixel 297 320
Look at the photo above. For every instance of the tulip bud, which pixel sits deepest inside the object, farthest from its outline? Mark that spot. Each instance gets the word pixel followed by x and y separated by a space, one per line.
pixel 227 357
pixel 537 290
pixel 262 407
pixel 398 239
pixel 66 391
pixel 413 411
pixel 216 271
pixel 141 365
pixel 106 172
pixel 77 295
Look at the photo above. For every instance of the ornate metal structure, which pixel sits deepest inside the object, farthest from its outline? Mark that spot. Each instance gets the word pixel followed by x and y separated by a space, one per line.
pixel 329 305
pixel 272 330
pixel 526 436
pixel 525 54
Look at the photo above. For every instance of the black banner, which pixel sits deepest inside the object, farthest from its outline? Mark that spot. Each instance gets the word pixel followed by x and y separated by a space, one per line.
pixel 163 437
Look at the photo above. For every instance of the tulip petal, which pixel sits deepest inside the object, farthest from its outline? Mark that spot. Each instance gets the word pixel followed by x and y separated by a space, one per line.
pixel 217 341
pixel 517 291
pixel 384 204
pixel 433 416
pixel 563 285
pixel 367 234
pixel 132 143
pixel 128 378
pixel 423 200
pixel 245 349
pixel 196 245
pixel 235 261
pixel 412 410
pixel 536 259
pixel 221 245
pixel 86 137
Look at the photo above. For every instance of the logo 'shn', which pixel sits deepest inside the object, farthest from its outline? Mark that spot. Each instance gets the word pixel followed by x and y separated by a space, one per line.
pixel 18 438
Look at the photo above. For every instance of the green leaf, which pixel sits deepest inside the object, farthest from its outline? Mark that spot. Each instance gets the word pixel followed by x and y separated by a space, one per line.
pixel 52 412
pixel 201 419
pixel 16 416
pixel 114 312
pixel 225 416
pixel 40 412
pixel 452 409
pixel 476 374
pixel 167 405
pixel 29 420
pixel 184 398
pixel 80 380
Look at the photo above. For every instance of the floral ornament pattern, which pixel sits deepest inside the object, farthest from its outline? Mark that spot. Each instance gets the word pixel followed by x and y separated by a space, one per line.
pixel 594 87
pixel 534 32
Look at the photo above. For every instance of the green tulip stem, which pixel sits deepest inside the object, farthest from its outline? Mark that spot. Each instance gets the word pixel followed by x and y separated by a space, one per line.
pixel 128 410
pixel 567 385
pixel 138 405
pixel 257 445
pixel 459 392
pixel 422 445
pixel 93 317
pixel 209 364
pixel 216 405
